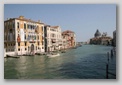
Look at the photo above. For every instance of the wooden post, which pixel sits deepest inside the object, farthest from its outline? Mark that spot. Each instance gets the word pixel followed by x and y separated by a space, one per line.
pixel 111 53
pixel 108 56
pixel 106 71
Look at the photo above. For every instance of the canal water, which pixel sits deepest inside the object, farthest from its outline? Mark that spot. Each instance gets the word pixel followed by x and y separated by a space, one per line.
pixel 86 62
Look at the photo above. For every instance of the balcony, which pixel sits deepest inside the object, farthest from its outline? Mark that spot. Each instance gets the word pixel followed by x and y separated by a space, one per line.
pixel 53 40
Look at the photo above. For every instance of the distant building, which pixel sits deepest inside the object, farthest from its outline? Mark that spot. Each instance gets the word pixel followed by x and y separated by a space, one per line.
pixel 97 34
pixel 101 39
pixel 114 38
pixel 69 39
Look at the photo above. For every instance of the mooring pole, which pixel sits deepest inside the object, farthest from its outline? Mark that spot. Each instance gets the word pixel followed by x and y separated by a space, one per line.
pixel 106 71
pixel 108 56
pixel 111 53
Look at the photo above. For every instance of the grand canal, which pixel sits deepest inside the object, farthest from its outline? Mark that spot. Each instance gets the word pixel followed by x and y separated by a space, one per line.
pixel 86 62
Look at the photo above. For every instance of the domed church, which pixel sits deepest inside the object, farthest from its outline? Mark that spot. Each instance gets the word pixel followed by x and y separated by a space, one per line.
pixel 97 34
pixel 101 39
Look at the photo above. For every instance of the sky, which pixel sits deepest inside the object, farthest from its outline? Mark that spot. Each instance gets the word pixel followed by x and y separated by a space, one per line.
pixel 83 19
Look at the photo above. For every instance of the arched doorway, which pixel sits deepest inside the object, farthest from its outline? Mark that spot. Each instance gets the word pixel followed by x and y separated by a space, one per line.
pixel 32 48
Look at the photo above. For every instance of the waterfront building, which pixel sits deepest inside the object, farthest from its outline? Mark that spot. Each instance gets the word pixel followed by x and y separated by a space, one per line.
pixel 101 39
pixel 53 38
pixel 64 41
pixel 114 38
pixel 69 39
pixel 23 36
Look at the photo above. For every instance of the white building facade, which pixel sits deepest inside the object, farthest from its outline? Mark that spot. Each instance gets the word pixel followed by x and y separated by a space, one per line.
pixel 53 38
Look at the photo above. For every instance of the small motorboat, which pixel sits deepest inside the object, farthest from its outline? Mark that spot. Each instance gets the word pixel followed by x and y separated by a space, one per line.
pixel 53 54
pixel 80 45
pixel 63 51
pixel 74 47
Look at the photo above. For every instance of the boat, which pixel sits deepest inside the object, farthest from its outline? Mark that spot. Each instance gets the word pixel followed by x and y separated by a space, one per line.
pixel 53 54
pixel 11 56
pixel 74 47
pixel 27 55
pixel 80 45
pixel 37 53
pixel 63 51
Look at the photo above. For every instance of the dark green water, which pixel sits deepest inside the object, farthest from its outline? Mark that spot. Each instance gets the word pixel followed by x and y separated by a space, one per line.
pixel 86 62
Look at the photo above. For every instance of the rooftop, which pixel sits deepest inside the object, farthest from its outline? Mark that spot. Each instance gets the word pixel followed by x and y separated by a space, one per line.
pixel 24 19
pixel 68 31
pixel 55 27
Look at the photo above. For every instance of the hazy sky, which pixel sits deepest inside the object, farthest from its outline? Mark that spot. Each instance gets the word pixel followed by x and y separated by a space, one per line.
pixel 83 19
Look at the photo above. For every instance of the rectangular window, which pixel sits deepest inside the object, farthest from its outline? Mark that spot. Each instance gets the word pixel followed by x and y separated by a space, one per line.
pixel 24 26
pixel 17 24
pixel 42 28
pixel 25 37
pixel 14 36
pixel 42 38
pixel 25 43
pixel 31 27
pixel 18 43
pixel 38 43
pixel 53 35
pixel 6 37
pixel 13 25
pixel 28 26
pixel 10 30
pixel 18 49
pixel 35 38
pixel 8 25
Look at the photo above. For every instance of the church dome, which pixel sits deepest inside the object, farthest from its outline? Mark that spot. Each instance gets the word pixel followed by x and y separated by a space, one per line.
pixel 97 34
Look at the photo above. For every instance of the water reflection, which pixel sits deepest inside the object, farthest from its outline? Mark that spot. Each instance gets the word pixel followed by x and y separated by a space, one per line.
pixel 86 62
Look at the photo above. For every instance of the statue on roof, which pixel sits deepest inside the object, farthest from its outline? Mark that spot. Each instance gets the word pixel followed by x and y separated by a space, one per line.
pixel 104 34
